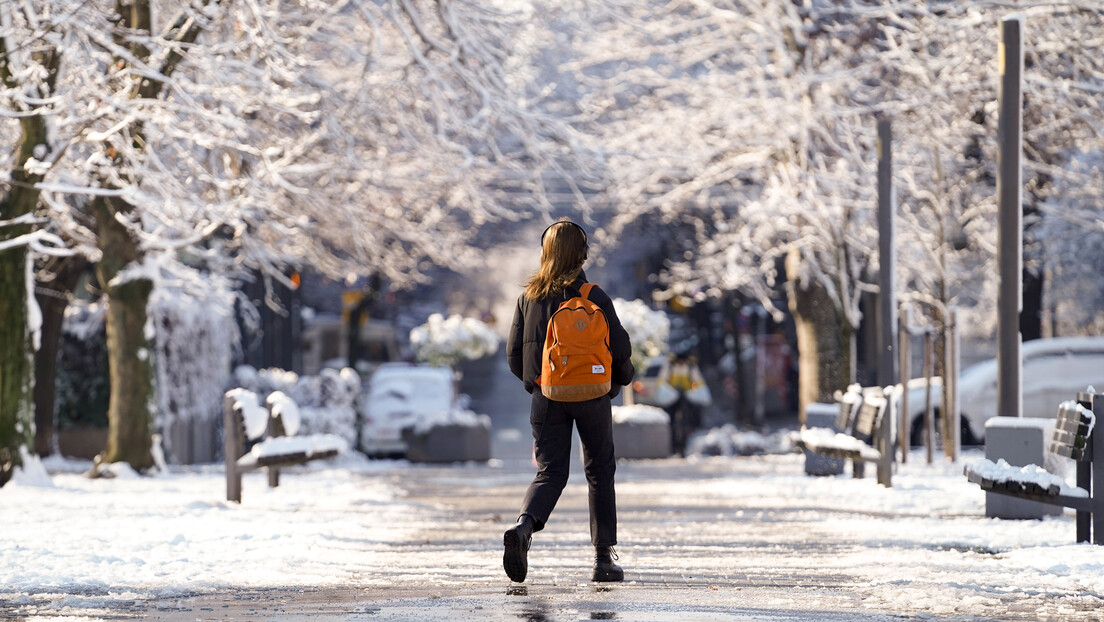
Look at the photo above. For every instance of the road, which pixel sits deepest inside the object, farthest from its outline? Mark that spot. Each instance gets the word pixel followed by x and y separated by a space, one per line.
pixel 701 540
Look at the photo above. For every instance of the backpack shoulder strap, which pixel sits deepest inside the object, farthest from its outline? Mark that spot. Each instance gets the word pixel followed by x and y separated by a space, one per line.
pixel 586 289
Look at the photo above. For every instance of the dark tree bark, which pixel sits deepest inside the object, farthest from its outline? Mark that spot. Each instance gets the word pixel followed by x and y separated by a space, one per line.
pixel 16 351
pixel 16 414
pixel 53 298
pixel 825 339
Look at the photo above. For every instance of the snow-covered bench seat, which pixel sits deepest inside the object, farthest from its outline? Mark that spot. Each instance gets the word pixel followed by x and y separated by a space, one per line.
pixel 837 444
pixel 1073 438
pixel 862 415
pixel 274 428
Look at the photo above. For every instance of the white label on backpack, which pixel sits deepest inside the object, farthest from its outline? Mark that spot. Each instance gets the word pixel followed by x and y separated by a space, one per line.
pixel 597 369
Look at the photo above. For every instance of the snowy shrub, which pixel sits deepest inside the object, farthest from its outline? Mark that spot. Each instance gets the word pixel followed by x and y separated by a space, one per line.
pixel 442 341
pixel 727 440
pixel 83 385
pixel 195 335
pixel 648 329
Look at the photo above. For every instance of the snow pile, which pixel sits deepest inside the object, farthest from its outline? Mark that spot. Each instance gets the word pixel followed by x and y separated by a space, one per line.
pixel 454 416
pixel 442 341
pixel 176 534
pixel 31 472
pixel 728 440
pixel 1001 471
pixel 286 409
pixel 326 403
pixel 825 437
pixel 254 416
pixel 640 414
pixel 309 445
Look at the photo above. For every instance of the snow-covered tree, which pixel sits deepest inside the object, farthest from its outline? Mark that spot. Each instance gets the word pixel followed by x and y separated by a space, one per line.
pixel 757 119
pixel 648 329
pixel 448 341
pixel 350 134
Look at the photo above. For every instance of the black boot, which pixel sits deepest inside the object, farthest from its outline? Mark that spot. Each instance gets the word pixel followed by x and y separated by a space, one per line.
pixel 605 570
pixel 516 541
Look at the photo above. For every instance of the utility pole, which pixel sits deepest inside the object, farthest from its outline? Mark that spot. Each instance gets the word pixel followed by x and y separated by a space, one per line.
pixel 1010 218
pixel 887 282
pixel 1010 436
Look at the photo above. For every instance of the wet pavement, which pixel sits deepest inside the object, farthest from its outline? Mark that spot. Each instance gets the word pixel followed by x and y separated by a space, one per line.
pixel 695 546
pixel 685 559
pixel 709 554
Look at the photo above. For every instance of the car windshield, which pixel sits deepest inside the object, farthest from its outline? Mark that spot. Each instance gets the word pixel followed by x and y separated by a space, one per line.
pixel 977 371
pixel 411 392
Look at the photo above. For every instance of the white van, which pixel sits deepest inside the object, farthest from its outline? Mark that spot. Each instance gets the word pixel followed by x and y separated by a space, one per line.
pixel 1054 370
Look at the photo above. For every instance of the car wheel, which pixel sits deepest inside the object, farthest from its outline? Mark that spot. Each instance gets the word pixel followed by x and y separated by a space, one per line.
pixel 965 434
pixel 916 432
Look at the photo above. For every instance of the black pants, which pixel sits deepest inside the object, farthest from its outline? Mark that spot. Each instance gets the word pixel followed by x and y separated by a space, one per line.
pixel 552 423
pixel 685 420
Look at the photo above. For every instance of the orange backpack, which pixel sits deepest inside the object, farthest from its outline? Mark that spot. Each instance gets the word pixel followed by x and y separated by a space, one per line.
pixel 576 360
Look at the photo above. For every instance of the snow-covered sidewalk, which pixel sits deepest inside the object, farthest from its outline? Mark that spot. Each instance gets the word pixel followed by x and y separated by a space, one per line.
pixel 712 538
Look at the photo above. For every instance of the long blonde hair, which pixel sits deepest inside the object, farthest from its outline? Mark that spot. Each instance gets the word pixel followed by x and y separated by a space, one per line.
pixel 563 251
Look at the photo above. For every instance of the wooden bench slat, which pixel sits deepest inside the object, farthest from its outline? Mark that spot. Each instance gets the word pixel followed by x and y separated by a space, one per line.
pixel 863 452
pixel 1083 504
pixel 1050 494
pixel 1078 428
pixel 1067 452
pixel 1061 437
pixel 300 457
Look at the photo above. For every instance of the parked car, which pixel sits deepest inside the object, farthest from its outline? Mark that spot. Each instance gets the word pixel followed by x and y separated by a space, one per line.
pixel 400 395
pixel 1054 370
pixel 646 383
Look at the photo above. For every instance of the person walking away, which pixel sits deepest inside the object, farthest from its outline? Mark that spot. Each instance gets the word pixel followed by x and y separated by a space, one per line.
pixel 681 373
pixel 557 309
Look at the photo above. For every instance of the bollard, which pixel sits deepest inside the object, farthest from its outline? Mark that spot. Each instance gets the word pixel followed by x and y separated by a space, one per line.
pixel 1020 441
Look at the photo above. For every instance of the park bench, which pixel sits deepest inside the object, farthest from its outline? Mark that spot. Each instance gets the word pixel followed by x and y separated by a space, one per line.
pixel 1073 438
pixel 272 432
pixel 862 439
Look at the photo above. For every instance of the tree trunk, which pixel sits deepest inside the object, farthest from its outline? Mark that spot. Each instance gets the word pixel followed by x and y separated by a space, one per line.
pixel 129 353
pixel 131 370
pixel 942 345
pixel 16 412
pixel 1031 318
pixel 825 340
pixel 53 298
pixel 16 349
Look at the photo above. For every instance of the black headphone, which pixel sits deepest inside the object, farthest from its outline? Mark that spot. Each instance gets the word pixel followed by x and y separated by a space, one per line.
pixel 586 242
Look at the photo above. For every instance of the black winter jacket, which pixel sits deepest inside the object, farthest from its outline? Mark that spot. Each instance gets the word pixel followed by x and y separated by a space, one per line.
pixel 526 338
